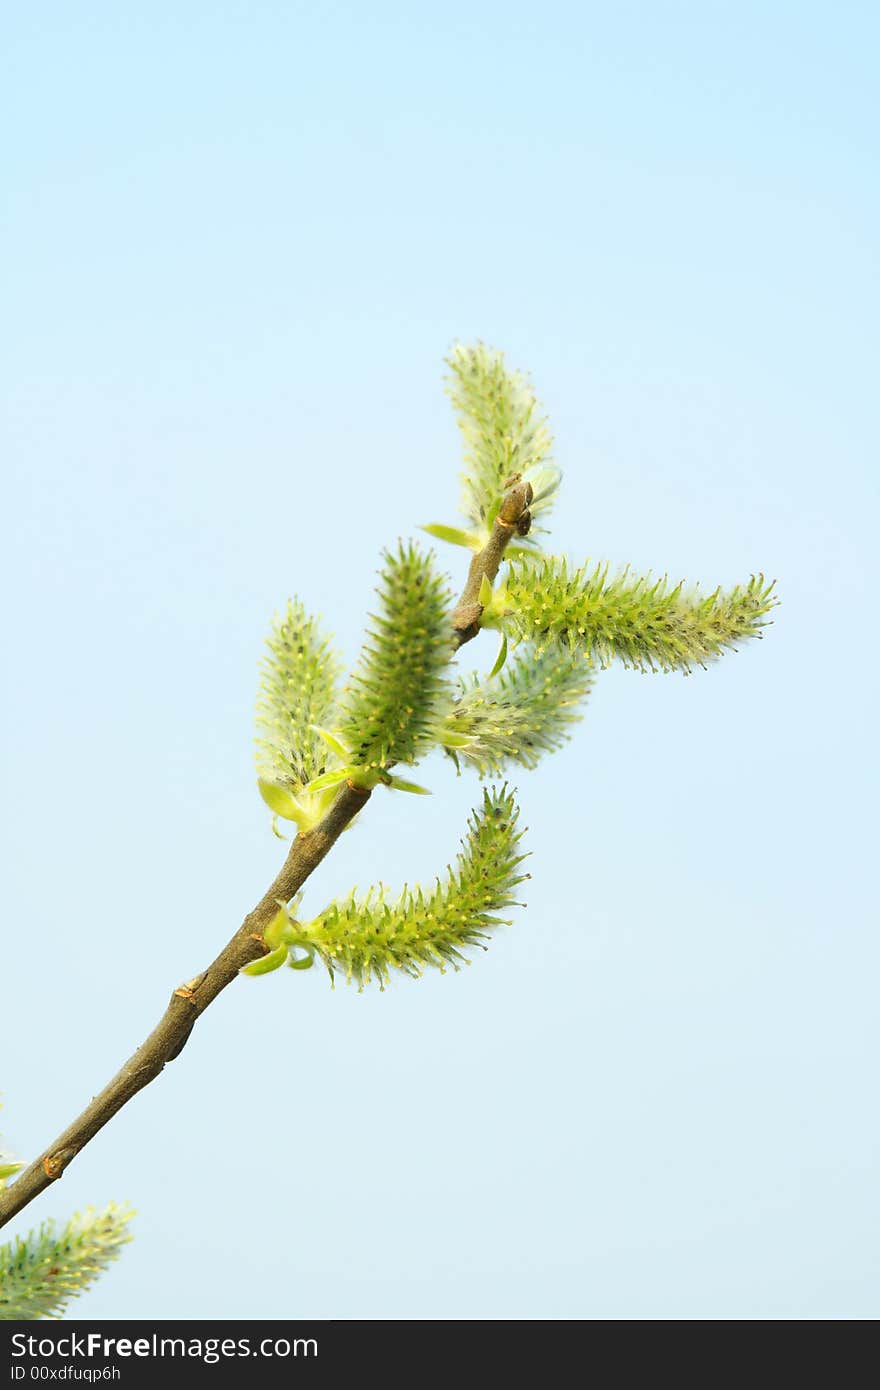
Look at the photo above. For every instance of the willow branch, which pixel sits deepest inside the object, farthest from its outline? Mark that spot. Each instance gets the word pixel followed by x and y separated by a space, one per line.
pixel 190 1000
pixel 171 1033
pixel 513 519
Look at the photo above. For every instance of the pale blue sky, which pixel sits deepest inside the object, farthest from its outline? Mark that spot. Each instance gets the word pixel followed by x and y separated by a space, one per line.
pixel 238 240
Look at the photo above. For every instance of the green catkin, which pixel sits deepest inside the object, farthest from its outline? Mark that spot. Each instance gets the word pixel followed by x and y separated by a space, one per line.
pixel 389 709
pixel 365 938
pixel 642 622
pixel 505 432
pixel 514 717
pixel 298 683
pixel 41 1271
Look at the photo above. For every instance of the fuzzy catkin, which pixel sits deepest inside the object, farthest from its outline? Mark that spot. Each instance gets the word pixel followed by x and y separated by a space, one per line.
pixel 298 680
pixel 390 705
pixel 526 710
pixel 39 1272
pixel 504 430
pixel 642 622
pixel 366 937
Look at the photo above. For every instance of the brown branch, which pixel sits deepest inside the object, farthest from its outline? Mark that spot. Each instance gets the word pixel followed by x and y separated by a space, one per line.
pixel 512 519
pixel 189 1000
pixel 170 1035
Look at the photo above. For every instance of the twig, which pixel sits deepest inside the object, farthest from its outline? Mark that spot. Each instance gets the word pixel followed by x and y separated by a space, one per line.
pixel 170 1035
pixel 512 519
pixel 189 1000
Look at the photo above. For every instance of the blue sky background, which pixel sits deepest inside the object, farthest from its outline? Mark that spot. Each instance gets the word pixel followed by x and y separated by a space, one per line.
pixel 237 241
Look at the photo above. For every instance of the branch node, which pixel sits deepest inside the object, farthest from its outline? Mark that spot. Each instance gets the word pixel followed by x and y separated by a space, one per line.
pixel 55 1164
pixel 188 990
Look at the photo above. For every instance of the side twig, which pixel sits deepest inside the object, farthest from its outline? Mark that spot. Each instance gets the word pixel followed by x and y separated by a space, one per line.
pixel 190 1000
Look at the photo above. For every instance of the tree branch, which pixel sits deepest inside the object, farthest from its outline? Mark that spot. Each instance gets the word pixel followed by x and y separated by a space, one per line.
pixel 189 1000
pixel 170 1035
pixel 513 519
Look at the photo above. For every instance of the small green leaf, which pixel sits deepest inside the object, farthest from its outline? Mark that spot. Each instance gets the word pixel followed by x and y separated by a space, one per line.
pixel 278 928
pixel 454 536
pixel 399 785
pixel 280 800
pixel 302 962
pixel 329 779
pixel 333 743
pixel 485 591
pixel 451 740
pixel 8 1170
pixel 500 658
pixel 267 963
